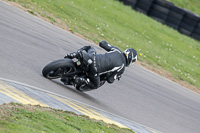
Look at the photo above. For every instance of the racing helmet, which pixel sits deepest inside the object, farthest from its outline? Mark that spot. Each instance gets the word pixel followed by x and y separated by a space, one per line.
pixel 131 56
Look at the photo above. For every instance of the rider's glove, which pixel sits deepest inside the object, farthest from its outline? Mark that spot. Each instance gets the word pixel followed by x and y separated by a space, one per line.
pixel 73 55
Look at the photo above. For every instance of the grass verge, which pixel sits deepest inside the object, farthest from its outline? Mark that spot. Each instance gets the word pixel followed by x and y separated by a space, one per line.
pixel 158 45
pixel 18 118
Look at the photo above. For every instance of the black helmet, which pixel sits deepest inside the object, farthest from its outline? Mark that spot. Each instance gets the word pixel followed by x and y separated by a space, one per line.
pixel 131 56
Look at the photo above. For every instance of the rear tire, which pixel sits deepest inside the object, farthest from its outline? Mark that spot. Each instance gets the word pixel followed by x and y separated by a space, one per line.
pixel 57 68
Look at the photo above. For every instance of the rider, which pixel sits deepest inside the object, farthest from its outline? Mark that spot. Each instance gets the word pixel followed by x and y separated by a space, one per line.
pixel 113 61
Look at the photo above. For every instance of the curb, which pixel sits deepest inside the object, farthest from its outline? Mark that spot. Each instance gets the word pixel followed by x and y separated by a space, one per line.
pixel 12 91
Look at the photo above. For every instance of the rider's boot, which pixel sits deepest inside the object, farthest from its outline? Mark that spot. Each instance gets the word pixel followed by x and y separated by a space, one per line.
pixel 80 83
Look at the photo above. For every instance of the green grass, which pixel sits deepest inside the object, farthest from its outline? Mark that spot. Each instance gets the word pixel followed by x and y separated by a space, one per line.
pixel 18 118
pixel 110 20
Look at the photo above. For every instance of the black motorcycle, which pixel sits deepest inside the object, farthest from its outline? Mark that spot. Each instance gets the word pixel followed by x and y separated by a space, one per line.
pixel 67 69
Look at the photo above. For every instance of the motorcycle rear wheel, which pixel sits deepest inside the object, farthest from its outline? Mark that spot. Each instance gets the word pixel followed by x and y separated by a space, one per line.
pixel 57 68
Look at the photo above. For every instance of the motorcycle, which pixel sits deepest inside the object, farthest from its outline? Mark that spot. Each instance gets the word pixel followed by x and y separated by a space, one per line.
pixel 66 69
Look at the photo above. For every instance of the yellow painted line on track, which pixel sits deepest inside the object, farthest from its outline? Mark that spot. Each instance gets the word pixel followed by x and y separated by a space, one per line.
pixel 18 95
pixel 86 111
pixel 151 130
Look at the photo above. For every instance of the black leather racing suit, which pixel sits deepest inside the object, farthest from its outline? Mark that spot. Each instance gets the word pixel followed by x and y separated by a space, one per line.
pixel 113 61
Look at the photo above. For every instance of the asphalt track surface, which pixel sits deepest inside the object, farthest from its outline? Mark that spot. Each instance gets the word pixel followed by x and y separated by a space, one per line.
pixel 27 44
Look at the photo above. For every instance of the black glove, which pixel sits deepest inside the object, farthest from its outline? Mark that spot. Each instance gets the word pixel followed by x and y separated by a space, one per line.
pixel 71 55
pixel 74 54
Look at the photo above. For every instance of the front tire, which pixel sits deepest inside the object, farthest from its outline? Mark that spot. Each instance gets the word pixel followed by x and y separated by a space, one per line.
pixel 57 68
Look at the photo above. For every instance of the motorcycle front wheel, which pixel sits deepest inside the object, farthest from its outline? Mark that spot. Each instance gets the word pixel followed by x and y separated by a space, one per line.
pixel 58 68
